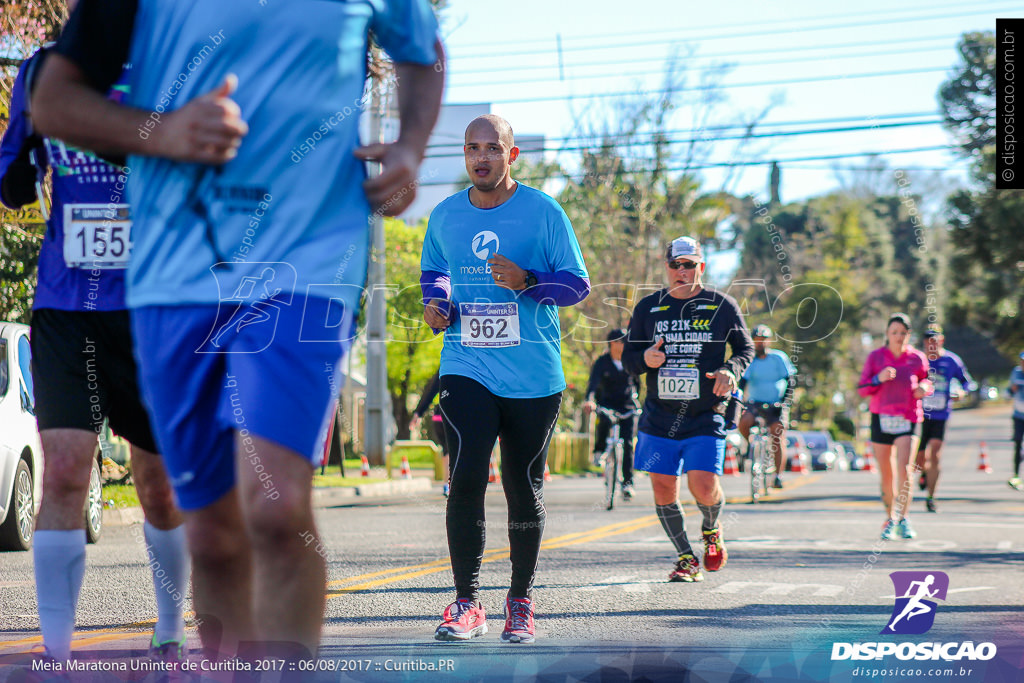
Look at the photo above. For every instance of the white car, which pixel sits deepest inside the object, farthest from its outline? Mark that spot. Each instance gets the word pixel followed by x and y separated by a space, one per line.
pixel 21 455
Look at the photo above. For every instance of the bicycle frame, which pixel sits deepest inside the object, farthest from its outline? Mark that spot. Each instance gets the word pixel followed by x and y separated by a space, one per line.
pixel 613 453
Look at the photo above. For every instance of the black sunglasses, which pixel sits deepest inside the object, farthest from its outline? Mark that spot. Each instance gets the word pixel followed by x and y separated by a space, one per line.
pixel 685 265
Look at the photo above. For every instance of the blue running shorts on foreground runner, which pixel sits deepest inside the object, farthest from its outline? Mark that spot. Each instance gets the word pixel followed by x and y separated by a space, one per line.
pixel 272 374
pixel 676 456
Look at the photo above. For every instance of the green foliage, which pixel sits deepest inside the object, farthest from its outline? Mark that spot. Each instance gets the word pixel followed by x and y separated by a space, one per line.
pixel 413 352
pixel 986 224
pixel 21 233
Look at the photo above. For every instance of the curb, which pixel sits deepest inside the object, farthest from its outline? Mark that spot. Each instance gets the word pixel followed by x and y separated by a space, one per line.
pixel 322 497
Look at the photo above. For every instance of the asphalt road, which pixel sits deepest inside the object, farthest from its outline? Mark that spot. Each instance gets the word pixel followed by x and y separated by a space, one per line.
pixel 806 570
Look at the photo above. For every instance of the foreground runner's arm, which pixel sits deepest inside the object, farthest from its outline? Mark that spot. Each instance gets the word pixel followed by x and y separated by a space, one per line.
pixel 70 100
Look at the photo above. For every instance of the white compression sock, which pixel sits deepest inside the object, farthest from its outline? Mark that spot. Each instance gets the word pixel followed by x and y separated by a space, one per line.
pixel 59 559
pixel 168 558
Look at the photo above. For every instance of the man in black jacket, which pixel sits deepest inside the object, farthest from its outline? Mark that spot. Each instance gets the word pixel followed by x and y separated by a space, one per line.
pixel 612 387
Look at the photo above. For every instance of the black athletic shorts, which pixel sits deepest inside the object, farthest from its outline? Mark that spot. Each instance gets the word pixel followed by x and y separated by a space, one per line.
pixel 932 429
pixel 888 437
pixel 83 370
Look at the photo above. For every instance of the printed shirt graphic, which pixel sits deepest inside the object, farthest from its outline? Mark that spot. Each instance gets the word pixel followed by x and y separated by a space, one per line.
pixel 1017 385
pixel 767 377
pixel 294 192
pixel 941 372
pixel 92 192
pixel 895 397
pixel 532 231
pixel 695 331
pixel 916 592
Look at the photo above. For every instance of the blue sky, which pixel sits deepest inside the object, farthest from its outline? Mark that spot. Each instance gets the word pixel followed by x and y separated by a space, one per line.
pixel 500 52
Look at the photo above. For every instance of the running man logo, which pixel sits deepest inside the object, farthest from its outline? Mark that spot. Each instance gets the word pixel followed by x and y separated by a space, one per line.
pixel 913 614
pixel 485 244
pixel 252 304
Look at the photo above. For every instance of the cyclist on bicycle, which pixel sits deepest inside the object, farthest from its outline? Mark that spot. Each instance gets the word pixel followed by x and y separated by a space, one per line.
pixel 612 387
pixel 769 379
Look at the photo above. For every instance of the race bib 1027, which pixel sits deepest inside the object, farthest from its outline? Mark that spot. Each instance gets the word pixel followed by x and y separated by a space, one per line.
pixel 678 384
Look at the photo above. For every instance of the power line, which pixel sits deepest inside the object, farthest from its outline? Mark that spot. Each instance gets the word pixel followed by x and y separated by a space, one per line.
pixel 753 136
pixel 648 72
pixel 726 54
pixel 723 127
pixel 727 36
pixel 761 24
pixel 736 164
pixel 751 84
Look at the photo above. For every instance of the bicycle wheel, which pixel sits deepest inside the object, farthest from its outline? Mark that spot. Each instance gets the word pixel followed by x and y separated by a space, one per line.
pixel 757 478
pixel 611 475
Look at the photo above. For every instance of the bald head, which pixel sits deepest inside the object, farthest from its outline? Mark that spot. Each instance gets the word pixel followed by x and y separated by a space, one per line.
pixel 489 123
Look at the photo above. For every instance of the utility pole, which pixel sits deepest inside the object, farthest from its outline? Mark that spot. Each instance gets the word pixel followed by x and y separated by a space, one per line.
pixel 376 356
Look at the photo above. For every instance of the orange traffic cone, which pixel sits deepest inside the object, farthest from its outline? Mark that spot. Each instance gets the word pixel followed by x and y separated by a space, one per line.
pixel 405 473
pixel 492 473
pixel 547 471
pixel 983 465
pixel 869 459
pixel 797 465
pixel 730 466
pixel 365 468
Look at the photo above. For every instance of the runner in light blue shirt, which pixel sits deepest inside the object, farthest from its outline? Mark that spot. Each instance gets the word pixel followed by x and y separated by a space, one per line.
pixel 498 260
pixel 769 380
pixel 251 210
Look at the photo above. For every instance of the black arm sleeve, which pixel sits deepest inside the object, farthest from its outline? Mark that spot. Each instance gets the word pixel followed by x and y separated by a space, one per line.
pixel 428 395
pixel 636 344
pixel 595 374
pixel 741 344
pixel 18 186
pixel 98 39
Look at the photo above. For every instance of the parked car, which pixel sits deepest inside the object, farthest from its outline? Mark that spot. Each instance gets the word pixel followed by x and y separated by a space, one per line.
pixel 822 450
pixel 796 448
pixel 847 456
pixel 21 454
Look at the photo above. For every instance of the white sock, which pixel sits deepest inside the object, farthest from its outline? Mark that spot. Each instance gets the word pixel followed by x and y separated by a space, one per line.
pixel 59 559
pixel 168 558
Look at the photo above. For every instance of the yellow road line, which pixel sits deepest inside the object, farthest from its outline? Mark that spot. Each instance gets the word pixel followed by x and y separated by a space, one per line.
pixel 336 587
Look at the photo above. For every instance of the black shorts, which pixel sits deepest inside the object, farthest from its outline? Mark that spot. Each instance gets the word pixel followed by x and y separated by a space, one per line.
pixel 932 429
pixel 771 414
pixel 83 371
pixel 886 438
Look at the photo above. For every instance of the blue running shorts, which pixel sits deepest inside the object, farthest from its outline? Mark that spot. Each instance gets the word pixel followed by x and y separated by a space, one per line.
pixel 270 369
pixel 676 456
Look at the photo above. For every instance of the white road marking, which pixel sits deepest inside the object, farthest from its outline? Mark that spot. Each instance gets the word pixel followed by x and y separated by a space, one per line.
pixel 775 588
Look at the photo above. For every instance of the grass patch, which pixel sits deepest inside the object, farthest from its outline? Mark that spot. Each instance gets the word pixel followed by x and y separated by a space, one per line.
pixel 122 495
pixel 334 479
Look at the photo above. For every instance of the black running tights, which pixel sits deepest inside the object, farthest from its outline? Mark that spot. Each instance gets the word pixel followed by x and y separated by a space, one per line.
pixel 474 418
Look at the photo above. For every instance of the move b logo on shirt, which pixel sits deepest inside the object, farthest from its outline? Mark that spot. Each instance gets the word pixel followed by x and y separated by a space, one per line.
pixel 485 244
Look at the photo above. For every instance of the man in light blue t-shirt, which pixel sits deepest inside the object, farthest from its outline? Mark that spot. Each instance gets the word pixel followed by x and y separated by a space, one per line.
pixel 769 381
pixel 498 260
pixel 251 207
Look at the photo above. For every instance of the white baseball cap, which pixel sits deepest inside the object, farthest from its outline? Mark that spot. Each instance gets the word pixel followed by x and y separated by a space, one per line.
pixel 684 247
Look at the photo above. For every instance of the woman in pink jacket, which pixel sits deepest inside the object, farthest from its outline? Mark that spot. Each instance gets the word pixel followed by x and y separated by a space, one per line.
pixel 896 378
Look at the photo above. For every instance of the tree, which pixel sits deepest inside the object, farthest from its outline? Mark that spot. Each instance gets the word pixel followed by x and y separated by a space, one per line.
pixel 413 351
pixel 986 224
